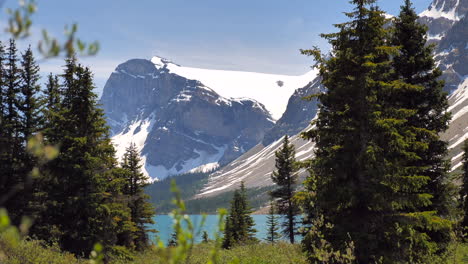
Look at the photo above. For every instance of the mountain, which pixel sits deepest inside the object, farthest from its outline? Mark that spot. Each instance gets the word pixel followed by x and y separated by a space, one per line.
pixel 298 113
pixel 441 15
pixel 272 90
pixel 448 29
pixel 452 55
pixel 179 124
pixel 255 166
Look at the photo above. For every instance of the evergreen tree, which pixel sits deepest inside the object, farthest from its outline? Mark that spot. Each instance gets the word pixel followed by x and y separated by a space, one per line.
pixel 52 91
pixel 3 132
pixel 464 189
pixel 205 238
pixel 30 106
pixel 272 224
pixel 285 177
pixel 239 225
pixel 79 181
pixel 30 122
pixel 367 186
pixel 14 151
pixel 45 189
pixel 173 240
pixel 422 93
pixel 142 211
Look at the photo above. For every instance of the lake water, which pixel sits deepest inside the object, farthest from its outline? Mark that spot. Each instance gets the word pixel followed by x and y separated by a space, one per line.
pixel 164 225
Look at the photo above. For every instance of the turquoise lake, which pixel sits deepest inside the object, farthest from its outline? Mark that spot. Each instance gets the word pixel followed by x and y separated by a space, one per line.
pixel 164 226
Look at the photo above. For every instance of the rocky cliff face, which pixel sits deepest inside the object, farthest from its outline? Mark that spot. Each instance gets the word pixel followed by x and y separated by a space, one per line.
pixel 178 124
pixel 298 113
pixel 441 15
pixel 448 28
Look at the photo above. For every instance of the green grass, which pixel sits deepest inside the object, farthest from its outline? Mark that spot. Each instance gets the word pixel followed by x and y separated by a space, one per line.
pixel 459 254
pixel 34 252
pixel 280 253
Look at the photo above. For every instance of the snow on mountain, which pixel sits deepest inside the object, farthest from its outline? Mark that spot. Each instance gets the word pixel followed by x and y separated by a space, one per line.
pixel 441 15
pixel 254 167
pixel 458 130
pixel 178 124
pixel 271 90
pixel 442 9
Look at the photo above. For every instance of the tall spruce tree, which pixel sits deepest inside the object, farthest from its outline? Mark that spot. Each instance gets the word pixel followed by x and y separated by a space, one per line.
pixel 14 150
pixel 422 93
pixel 30 122
pixel 272 225
pixel 79 181
pixel 30 105
pixel 239 226
pixel 142 211
pixel 52 95
pixel 285 177
pixel 366 185
pixel 3 132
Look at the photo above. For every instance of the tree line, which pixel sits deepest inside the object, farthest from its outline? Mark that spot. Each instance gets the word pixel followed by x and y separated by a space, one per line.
pixel 83 195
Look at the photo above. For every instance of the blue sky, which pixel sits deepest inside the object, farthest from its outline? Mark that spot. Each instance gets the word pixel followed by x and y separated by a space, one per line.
pixel 249 35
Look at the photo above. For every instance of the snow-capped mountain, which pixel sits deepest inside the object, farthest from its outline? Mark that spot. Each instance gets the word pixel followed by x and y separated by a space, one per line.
pixel 448 28
pixel 452 56
pixel 179 124
pixel 298 113
pixel 272 90
pixel 441 15
pixel 255 166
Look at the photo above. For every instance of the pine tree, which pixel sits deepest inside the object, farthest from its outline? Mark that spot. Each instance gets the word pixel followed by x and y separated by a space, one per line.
pixel 285 177
pixel 30 105
pixel 29 123
pixel 422 186
pixel 14 151
pixel 173 240
pixel 52 92
pixel 142 211
pixel 79 182
pixel 272 224
pixel 52 97
pixel 205 238
pixel 239 225
pixel 45 189
pixel 464 190
pixel 367 186
pixel 423 92
pixel 3 132
pixel 248 224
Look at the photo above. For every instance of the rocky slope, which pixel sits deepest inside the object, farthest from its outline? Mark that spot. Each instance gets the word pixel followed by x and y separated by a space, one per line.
pixel 298 113
pixel 448 29
pixel 178 124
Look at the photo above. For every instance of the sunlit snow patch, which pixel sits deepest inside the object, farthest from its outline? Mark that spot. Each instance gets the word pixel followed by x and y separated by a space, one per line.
pixel 238 84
